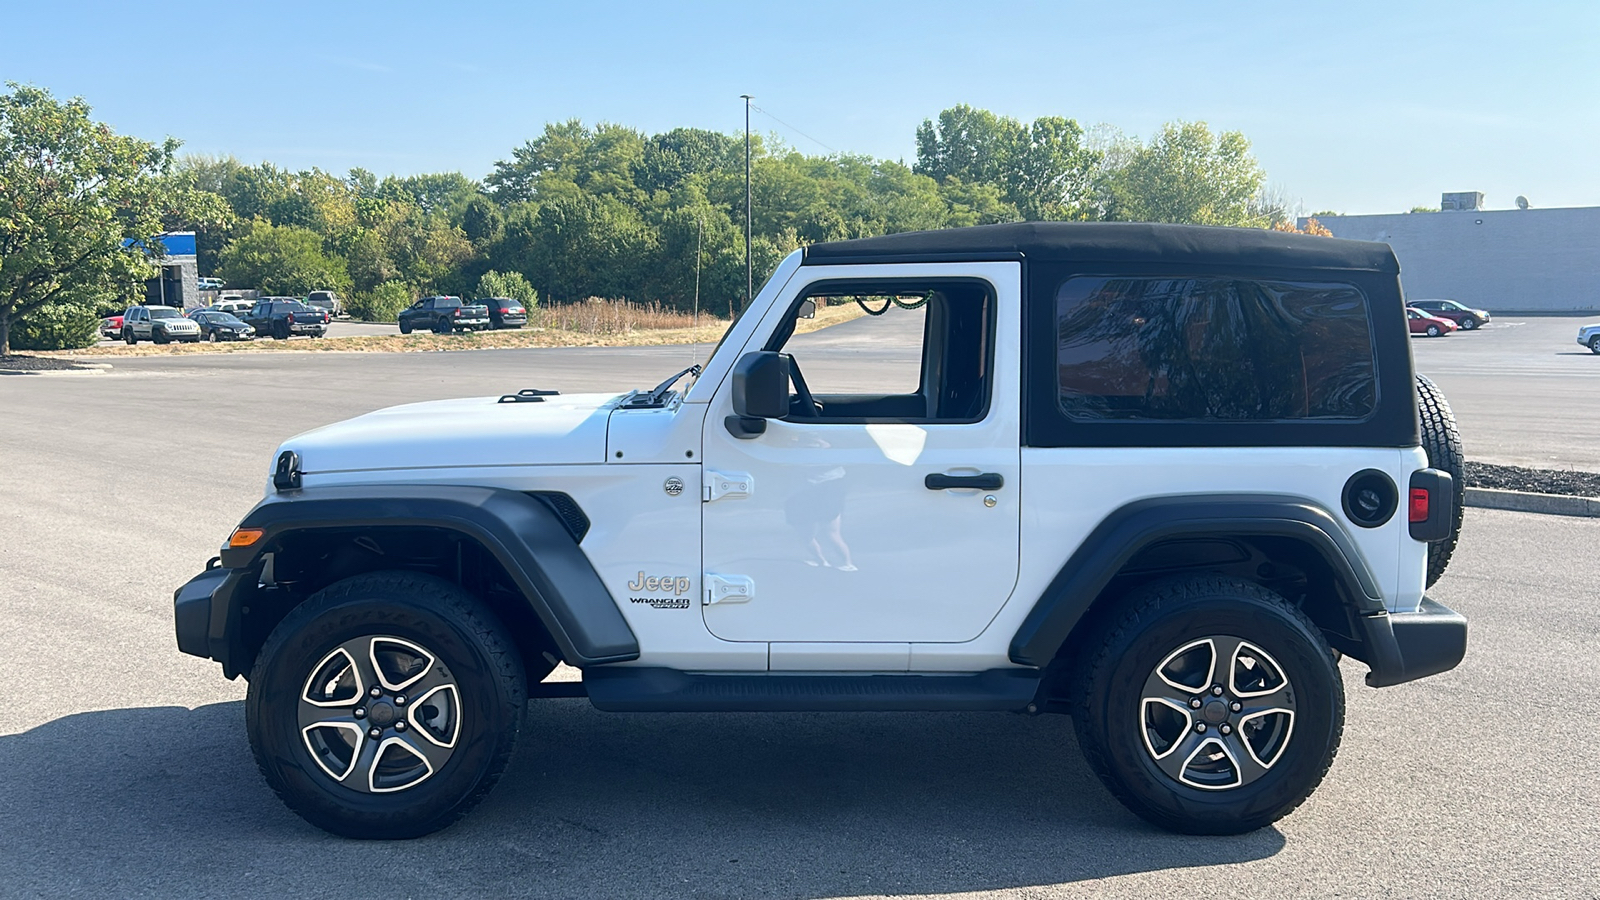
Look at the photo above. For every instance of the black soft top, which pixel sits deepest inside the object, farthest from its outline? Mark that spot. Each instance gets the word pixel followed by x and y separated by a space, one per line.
pixel 1111 242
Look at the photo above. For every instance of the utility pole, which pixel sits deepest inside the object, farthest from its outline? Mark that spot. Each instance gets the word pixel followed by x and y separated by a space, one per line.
pixel 749 218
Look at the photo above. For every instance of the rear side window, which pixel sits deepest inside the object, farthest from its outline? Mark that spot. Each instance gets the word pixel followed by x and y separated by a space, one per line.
pixel 1212 349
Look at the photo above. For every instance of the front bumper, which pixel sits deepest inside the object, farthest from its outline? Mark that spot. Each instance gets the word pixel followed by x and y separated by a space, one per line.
pixel 207 618
pixel 1407 646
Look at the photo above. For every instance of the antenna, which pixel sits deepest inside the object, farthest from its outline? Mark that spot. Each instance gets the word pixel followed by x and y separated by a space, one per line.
pixel 1522 202
pixel 694 335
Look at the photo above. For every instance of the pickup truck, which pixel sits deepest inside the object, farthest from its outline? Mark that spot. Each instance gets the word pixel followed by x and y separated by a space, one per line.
pixel 443 315
pixel 283 317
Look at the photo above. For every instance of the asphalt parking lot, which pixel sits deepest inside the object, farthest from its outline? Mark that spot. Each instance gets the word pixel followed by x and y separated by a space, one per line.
pixel 127 771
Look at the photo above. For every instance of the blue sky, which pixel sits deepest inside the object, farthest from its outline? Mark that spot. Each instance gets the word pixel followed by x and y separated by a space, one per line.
pixel 1353 106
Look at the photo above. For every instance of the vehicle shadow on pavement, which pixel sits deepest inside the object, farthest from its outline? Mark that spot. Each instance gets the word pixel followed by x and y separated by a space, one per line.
pixel 167 800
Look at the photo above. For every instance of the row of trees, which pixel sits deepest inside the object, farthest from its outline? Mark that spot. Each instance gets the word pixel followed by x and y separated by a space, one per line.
pixel 577 212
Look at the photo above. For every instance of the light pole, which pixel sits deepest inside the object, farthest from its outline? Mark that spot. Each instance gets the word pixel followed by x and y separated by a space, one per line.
pixel 749 219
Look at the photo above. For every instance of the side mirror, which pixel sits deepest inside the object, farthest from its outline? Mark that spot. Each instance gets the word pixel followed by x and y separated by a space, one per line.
pixel 760 392
pixel 807 310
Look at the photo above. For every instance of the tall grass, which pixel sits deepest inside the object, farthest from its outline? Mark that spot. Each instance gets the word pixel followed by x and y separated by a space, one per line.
pixel 601 317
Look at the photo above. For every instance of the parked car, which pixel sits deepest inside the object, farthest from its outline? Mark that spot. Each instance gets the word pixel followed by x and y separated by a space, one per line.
pixel 111 327
pixel 748 545
pixel 161 324
pixel 443 315
pixel 1423 323
pixel 1589 336
pixel 232 303
pixel 283 317
pixel 1465 317
pixel 328 302
pixel 216 325
pixel 212 284
pixel 505 312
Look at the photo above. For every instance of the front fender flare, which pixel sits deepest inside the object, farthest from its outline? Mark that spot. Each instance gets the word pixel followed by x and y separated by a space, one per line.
pixel 523 533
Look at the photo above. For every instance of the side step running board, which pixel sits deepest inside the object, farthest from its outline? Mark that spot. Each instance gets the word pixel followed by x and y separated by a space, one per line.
pixel 641 689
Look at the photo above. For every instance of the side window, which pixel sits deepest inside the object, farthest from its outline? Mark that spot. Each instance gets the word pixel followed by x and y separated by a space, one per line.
pixel 1210 348
pixel 902 350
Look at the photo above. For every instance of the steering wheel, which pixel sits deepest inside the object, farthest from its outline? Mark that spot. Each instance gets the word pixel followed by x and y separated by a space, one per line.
pixel 808 404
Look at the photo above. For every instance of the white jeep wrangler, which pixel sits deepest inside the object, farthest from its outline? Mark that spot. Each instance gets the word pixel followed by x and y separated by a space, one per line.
pixel 1158 477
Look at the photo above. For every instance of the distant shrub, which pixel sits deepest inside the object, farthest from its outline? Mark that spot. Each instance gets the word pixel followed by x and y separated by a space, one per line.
pixel 510 284
pixel 57 326
pixel 383 303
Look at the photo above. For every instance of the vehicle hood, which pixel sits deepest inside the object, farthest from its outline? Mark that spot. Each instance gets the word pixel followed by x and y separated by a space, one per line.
pixel 477 431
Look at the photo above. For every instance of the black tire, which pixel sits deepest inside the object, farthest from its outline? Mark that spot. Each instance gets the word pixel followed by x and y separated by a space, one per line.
pixel 216 337
pixel 1594 344
pixel 280 330
pixel 1110 711
pixel 442 325
pixel 127 335
pixel 470 650
pixel 1470 323
pixel 1433 331
pixel 1441 440
pixel 405 326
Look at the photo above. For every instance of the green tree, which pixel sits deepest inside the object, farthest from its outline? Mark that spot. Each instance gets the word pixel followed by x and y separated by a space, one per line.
pixel 1041 170
pixel 73 195
pixel 1187 174
pixel 283 259
pixel 383 303
pixel 510 285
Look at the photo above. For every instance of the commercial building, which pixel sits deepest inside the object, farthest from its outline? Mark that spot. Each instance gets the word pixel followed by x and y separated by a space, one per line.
pixel 1511 260
pixel 178 284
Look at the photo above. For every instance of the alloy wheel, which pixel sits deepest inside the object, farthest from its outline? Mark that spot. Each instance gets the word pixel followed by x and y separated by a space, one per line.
pixel 380 714
pixel 1217 713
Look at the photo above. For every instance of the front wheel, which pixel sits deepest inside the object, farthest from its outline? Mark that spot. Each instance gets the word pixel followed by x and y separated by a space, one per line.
pixel 1212 706
pixel 1469 323
pixel 1594 344
pixel 405 327
pixel 386 706
pixel 1433 331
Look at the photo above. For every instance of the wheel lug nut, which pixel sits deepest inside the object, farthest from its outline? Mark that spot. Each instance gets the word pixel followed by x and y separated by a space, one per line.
pixel 375 733
pixel 399 726
pixel 1195 703
pixel 1200 727
pixel 400 700
pixel 1236 706
pixel 375 692
pixel 360 713
pixel 1216 691
pixel 1225 730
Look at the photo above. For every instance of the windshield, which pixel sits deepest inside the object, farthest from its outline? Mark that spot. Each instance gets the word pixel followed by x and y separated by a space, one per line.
pixel 222 318
pixel 164 312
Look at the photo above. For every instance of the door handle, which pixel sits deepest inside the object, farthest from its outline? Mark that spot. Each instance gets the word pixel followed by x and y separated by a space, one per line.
pixel 988 481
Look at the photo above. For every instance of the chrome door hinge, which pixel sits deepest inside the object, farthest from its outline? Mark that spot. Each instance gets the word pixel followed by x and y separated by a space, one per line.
pixel 728 589
pixel 726 484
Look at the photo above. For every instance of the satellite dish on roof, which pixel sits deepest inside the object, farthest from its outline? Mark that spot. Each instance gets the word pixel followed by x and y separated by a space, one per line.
pixel 1522 202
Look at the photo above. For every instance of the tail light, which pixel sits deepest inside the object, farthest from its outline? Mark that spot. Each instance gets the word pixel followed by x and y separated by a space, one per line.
pixel 1419 505
pixel 1431 505
pixel 458 313
pixel 291 318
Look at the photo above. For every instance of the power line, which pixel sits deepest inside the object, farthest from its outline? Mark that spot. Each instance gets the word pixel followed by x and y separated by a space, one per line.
pixel 794 129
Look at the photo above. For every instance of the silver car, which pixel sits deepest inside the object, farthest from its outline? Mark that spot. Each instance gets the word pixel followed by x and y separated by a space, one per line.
pixel 161 324
pixel 1589 336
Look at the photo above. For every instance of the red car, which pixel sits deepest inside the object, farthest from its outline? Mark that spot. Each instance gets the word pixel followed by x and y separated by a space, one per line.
pixel 1432 326
pixel 111 328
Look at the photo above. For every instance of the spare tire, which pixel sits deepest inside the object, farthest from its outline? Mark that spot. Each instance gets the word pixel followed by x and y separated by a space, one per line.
pixel 1441 440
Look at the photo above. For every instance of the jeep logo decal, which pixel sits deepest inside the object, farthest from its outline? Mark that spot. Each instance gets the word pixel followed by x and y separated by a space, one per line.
pixel 677 584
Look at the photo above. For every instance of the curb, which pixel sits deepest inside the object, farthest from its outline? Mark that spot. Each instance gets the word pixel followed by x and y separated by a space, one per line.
pixel 1527 501
pixel 79 369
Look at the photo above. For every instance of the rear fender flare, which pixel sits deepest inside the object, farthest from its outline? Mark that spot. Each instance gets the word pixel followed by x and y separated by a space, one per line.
pixel 1121 535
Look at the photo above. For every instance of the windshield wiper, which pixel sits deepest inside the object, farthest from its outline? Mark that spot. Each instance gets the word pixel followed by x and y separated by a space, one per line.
pixel 658 396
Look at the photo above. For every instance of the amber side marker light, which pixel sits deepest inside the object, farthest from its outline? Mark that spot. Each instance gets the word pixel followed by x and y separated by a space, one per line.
pixel 244 537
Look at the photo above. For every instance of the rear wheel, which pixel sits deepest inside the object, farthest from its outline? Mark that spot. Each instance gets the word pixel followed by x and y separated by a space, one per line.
pixel 442 326
pixel 127 335
pixel 280 330
pixel 1441 440
pixel 1213 706
pixel 386 706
